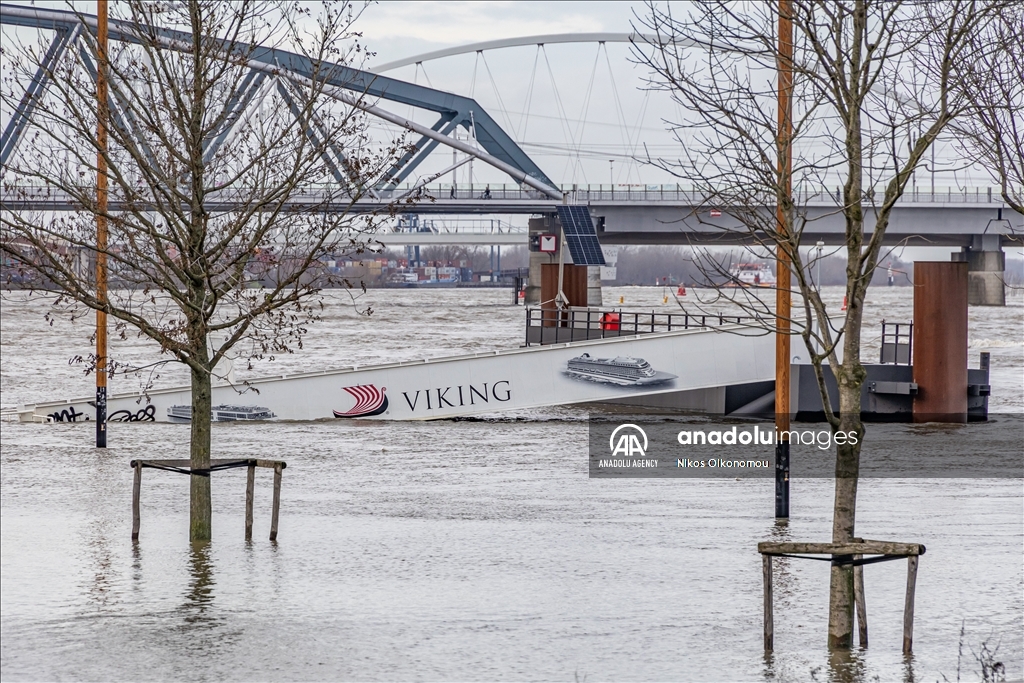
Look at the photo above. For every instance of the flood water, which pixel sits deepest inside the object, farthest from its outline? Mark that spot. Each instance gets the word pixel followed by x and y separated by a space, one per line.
pixel 471 549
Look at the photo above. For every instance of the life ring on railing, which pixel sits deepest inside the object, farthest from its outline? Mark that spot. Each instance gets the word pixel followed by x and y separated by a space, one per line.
pixel 610 321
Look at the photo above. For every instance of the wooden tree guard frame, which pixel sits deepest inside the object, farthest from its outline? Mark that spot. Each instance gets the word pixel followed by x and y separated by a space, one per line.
pixel 216 464
pixel 843 554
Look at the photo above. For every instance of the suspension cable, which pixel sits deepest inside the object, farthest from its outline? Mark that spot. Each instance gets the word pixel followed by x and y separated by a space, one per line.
pixel 582 124
pixel 494 85
pixel 425 74
pixel 415 81
pixel 619 111
pixel 529 95
pixel 566 131
pixel 639 125
pixel 472 84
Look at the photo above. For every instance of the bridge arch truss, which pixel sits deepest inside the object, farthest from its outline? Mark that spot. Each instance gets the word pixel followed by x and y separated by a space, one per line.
pixel 353 86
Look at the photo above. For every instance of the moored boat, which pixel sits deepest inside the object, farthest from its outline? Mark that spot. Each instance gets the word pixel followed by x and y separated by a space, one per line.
pixel 751 275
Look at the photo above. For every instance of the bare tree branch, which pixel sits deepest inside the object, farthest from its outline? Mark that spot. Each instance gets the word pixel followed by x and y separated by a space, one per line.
pixel 203 238
pixel 867 75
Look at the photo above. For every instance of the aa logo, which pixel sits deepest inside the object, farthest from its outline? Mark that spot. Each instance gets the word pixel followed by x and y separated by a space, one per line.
pixel 628 440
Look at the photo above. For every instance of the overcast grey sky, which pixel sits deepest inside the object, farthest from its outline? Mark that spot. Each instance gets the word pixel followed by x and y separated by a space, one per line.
pixel 396 29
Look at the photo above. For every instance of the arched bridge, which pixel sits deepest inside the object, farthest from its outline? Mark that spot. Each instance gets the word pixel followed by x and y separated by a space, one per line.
pixel 634 214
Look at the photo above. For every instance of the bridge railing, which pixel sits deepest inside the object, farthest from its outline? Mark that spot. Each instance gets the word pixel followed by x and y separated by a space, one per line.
pixel 675 193
pixel 897 343
pixel 458 225
pixel 802 195
pixel 546 325
pixel 314 194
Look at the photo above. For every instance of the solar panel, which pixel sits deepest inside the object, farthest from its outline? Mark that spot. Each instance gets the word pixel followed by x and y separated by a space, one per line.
pixel 580 236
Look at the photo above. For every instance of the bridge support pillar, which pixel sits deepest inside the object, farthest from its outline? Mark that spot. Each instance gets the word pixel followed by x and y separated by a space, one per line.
pixel 940 341
pixel 986 262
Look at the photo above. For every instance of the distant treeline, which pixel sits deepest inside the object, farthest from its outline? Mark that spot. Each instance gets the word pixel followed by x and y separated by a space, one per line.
pixel 639 265
pixel 642 265
pixel 476 258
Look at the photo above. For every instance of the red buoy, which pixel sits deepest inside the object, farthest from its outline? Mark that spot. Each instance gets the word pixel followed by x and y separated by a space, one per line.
pixel 681 291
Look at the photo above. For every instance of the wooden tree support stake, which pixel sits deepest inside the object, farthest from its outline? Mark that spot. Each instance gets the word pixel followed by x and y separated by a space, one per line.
pixel 843 554
pixel 217 464
pixel 250 491
pixel 136 496
pixel 277 501
pixel 908 606
pixel 769 617
pixel 862 607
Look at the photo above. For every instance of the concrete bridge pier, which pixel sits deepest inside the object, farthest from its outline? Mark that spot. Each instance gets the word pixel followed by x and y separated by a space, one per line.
pixel 986 262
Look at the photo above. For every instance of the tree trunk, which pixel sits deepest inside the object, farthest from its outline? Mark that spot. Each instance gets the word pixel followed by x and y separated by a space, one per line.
pixel 200 505
pixel 850 377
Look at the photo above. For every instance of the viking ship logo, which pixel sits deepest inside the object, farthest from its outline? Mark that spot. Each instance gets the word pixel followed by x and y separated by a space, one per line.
pixel 369 401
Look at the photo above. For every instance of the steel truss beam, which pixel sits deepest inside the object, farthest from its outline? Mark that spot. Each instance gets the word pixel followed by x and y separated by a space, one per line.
pixel 333 155
pixel 22 114
pixel 499 149
pixel 240 100
pixel 314 131
pixel 423 147
pixel 120 112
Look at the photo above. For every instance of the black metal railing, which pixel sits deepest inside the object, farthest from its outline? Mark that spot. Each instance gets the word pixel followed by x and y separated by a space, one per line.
pixel 552 326
pixel 897 343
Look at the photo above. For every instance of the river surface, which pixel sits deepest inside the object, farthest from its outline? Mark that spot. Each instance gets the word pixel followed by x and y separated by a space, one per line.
pixel 471 549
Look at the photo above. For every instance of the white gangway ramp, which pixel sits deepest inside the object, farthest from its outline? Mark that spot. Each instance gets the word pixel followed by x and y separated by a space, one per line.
pixel 497 381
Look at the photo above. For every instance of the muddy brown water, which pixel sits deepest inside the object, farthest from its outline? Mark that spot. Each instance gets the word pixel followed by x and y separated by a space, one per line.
pixel 465 550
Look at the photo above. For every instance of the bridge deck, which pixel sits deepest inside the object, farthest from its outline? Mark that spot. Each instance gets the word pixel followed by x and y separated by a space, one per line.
pixel 655 216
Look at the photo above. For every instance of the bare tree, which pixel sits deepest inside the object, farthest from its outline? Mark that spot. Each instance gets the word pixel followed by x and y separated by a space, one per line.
pixel 992 128
pixel 866 76
pixel 208 158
